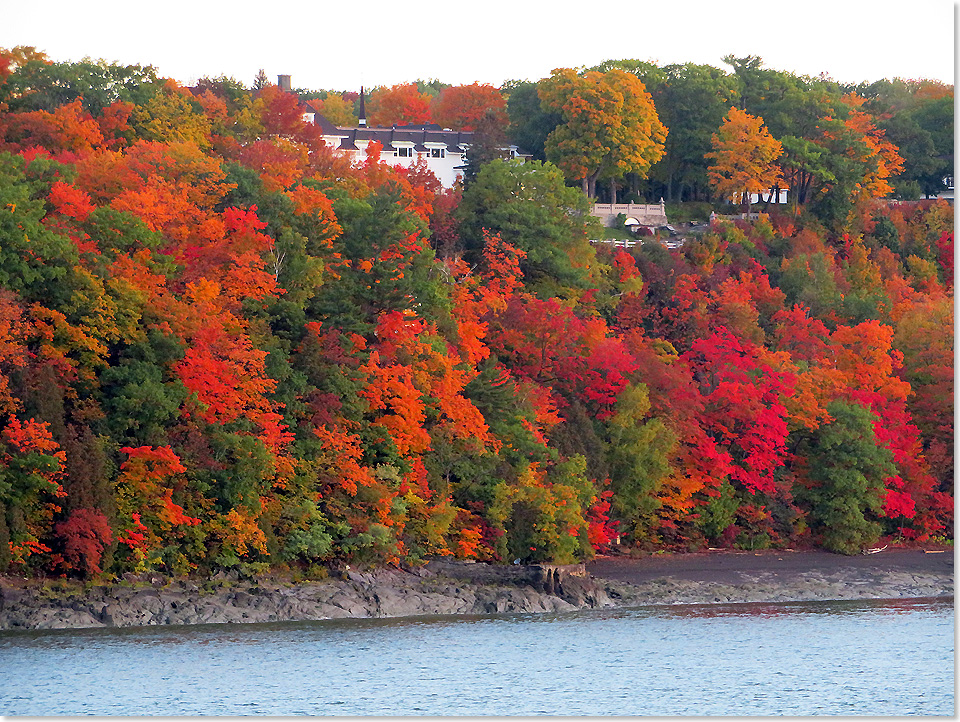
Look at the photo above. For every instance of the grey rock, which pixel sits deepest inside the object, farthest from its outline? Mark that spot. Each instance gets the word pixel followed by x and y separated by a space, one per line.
pixel 442 587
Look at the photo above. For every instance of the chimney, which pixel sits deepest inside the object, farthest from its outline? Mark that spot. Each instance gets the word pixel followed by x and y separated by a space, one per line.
pixel 363 110
pixel 284 82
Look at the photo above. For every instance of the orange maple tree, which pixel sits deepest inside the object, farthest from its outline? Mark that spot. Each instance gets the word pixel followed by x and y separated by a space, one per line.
pixel 461 107
pixel 401 104
pixel 744 158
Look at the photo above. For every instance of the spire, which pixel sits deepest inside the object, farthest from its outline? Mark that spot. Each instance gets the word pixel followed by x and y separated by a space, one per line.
pixel 363 110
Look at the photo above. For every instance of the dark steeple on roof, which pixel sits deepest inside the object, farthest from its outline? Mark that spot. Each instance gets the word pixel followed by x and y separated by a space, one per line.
pixel 363 110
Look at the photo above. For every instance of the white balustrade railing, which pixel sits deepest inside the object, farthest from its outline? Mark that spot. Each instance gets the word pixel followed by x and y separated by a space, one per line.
pixel 628 209
pixel 645 213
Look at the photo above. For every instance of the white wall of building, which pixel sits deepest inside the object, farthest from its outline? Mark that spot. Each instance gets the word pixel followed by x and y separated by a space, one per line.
pixel 445 168
pixel 762 197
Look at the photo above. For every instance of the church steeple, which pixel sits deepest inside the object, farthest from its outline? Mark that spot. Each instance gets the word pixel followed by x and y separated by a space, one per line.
pixel 363 110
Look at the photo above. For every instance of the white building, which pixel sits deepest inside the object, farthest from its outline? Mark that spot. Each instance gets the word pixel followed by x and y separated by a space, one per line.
pixel 774 195
pixel 443 150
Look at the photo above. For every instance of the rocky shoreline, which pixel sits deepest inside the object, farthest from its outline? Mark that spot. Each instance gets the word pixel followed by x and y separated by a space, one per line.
pixel 438 588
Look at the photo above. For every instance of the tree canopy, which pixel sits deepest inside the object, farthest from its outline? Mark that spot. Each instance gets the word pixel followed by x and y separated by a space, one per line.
pixel 744 155
pixel 224 346
pixel 609 125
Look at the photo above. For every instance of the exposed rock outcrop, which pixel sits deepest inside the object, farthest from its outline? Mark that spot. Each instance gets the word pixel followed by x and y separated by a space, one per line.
pixel 439 588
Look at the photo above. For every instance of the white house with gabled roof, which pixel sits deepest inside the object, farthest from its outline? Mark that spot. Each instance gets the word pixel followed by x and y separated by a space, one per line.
pixel 444 151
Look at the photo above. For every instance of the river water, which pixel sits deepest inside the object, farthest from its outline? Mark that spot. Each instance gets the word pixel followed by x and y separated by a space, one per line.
pixel 829 658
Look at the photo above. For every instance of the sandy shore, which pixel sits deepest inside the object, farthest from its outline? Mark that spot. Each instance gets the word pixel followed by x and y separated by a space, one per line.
pixel 455 588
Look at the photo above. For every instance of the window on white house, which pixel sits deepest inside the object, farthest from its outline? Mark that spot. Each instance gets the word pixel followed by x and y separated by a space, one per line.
pixel 405 152
pixel 436 152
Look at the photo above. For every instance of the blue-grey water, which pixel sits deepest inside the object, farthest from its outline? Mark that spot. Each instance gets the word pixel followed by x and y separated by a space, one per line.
pixel 829 658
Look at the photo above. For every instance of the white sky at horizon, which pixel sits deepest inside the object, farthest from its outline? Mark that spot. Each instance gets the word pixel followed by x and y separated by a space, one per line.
pixel 339 46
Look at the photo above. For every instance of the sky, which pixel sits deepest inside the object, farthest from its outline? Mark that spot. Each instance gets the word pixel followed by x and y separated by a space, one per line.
pixel 336 45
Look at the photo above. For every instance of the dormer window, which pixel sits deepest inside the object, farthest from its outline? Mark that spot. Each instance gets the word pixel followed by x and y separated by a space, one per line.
pixel 436 152
pixel 405 151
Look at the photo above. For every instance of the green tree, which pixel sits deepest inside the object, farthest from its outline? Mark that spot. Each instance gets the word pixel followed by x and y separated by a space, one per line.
pixel 391 265
pixel 638 449
pixel 489 139
pixel 796 120
pixel 810 280
pixel 691 101
pixel 530 121
pixel 141 394
pixel 843 489
pixel 531 208
pixel 775 95
pixel 924 138
pixel 856 162
pixel 35 262
pixel 917 116
pixel 806 167
pixel 42 85
pixel 936 118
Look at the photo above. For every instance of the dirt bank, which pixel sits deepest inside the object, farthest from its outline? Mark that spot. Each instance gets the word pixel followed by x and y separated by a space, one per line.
pixel 731 567
pixel 444 587
pixel 774 576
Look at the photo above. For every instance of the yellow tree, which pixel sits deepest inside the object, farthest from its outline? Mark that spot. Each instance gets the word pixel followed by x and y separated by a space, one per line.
pixel 745 156
pixel 337 110
pixel 610 126
pixel 170 117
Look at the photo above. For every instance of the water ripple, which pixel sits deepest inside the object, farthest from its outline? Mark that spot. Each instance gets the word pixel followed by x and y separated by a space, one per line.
pixel 796 659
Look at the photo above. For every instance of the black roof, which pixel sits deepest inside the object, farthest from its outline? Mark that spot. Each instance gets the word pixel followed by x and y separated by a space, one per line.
pixel 326 126
pixel 418 135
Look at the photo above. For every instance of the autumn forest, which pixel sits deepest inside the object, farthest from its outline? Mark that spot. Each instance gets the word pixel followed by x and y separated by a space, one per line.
pixel 223 346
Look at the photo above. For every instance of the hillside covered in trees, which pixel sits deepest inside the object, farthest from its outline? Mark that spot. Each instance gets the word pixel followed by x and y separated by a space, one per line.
pixel 223 346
